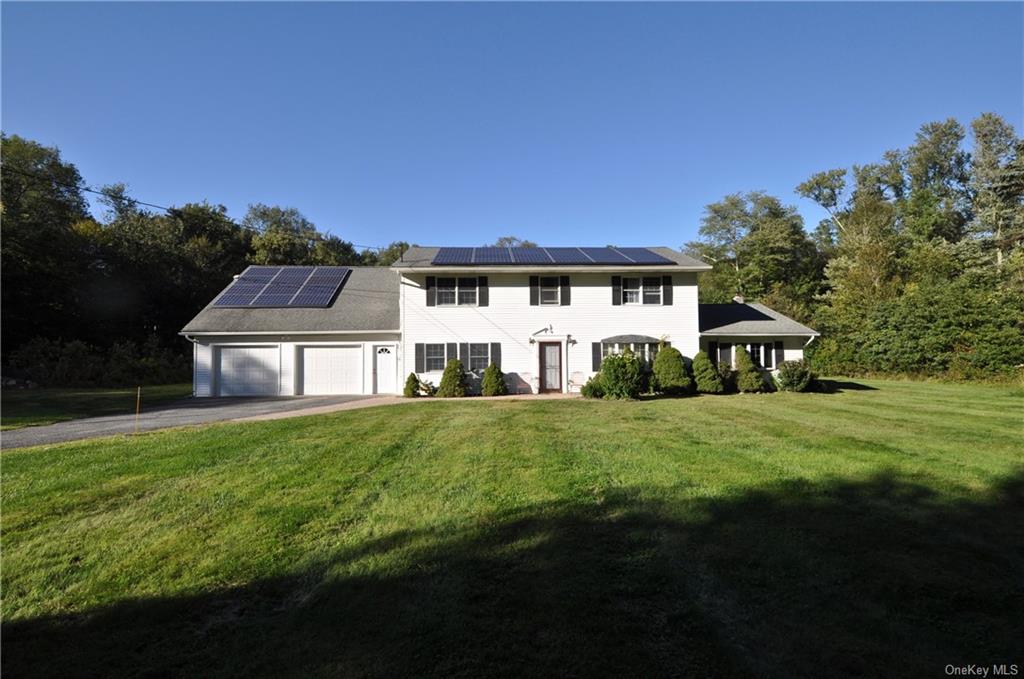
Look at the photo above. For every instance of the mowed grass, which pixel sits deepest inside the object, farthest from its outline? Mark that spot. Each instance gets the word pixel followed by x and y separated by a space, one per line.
pixel 871 531
pixel 33 407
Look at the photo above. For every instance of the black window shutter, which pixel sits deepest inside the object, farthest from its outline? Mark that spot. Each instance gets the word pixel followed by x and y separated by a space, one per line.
pixel 496 354
pixel 431 291
pixel 779 355
pixel 725 353
pixel 595 349
pixel 564 282
pixel 464 355
pixel 421 359
pixel 666 290
pixel 713 351
pixel 450 351
pixel 482 298
pixel 534 290
pixel 616 290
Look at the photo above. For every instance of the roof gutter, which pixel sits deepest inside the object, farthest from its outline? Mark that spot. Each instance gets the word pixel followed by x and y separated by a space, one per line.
pixel 205 333
pixel 763 333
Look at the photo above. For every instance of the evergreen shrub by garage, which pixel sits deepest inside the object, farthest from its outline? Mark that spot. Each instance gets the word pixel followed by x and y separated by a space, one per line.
pixel 493 383
pixel 671 374
pixel 453 381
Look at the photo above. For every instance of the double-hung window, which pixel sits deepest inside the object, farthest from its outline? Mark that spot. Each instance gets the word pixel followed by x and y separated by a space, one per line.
pixel 550 291
pixel 631 291
pixel 456 291
pixel 433 355
pixel 479 357
pixel 755 353
pixel 652 291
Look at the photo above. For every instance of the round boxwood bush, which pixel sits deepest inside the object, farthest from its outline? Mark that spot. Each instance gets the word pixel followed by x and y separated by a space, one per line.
pixel 671 374
pixel 748 378
pixel 706 375
pixel 412 386
pixel 621 376
pixel 794 376
pixel 453 381
pixel 493 383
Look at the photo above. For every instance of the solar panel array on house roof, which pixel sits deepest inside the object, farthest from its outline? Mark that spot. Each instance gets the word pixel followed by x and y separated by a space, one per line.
pixel 284 286
pixel 490 256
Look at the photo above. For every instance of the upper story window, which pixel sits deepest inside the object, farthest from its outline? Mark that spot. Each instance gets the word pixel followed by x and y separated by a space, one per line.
pixel 641 290
pixel 456 291
pixel 549 290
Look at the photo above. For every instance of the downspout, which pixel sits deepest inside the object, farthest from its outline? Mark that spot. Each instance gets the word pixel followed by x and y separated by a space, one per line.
pixel 195 346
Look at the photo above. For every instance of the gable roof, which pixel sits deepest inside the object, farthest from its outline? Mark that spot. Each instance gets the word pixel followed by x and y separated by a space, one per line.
pixel 748 318
pixel 422 258
pixel 367 302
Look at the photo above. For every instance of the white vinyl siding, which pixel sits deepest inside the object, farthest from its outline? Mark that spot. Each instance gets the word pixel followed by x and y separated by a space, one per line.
pixel 510 320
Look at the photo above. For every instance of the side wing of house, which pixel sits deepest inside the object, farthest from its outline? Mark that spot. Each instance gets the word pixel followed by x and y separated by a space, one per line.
pixel 768 336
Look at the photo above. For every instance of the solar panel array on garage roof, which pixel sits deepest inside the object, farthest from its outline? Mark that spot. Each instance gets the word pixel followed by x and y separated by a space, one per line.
pixel 491 256
pixel 284 286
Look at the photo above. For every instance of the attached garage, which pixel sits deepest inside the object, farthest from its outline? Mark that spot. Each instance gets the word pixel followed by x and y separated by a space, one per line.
pixel 248 370
pixel 330 369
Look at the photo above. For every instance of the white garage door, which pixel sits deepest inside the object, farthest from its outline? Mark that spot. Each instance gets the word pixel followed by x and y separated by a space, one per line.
pixel 332 370
pixel 248 371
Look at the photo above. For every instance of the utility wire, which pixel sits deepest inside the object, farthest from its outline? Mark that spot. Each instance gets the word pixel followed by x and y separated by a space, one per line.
pixel 174 212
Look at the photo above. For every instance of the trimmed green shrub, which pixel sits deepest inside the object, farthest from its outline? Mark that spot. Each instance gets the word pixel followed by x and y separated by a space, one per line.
pixel 706 375
pixel 621 376
pixel 748 378
pixel 412 386
pixel 493 383
pixel 453 381
pixel 593 388
pixel 671 374
pixel 794 376
pixel 728 377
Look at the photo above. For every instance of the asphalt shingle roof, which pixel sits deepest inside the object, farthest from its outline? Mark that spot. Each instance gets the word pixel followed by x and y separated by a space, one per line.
pixel 368 301
pixel 749 318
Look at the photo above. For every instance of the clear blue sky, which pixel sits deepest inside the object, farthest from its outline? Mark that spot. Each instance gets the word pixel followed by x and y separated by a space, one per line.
pixel 456 123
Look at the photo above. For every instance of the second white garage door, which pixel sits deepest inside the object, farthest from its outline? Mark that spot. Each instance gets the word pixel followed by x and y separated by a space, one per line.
pixel 331 370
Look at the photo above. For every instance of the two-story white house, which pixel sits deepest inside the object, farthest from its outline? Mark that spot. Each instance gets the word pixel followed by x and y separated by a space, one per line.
pixel 545 316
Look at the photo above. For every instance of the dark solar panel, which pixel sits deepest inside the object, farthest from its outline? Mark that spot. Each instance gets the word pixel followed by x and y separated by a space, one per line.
pixel 568 256
pixel 644 256
pixel 530 256
pixel 296 275
pixel 605 256
pixel 453 256
pixel 276 295
pixel 239 293
pixel 260 273
pixel 321 287
pixel 492 256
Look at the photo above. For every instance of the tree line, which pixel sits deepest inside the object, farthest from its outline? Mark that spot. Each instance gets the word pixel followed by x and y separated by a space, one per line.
pixel 918 268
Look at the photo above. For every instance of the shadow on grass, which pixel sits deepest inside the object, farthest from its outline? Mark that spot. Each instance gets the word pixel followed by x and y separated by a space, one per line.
pixel 844 578
pixel 836 386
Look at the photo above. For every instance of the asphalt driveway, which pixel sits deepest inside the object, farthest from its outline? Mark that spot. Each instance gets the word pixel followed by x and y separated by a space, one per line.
pixel 177 414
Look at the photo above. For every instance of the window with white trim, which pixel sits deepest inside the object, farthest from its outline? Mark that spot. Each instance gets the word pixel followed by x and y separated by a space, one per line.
pixel 652 290
pixel 479 357
pixel 768 358
pixel 631 291
pixel 433 357
pixel 645 351
pixel 467 291
pixel 550 291
pixel 446 292
pixel 755 353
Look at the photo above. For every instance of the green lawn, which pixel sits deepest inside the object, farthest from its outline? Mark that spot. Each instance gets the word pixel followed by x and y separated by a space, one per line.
pixel 877 530
pixel 32 407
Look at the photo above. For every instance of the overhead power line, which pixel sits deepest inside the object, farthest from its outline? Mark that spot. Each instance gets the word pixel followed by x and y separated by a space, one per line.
pixel 174 212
